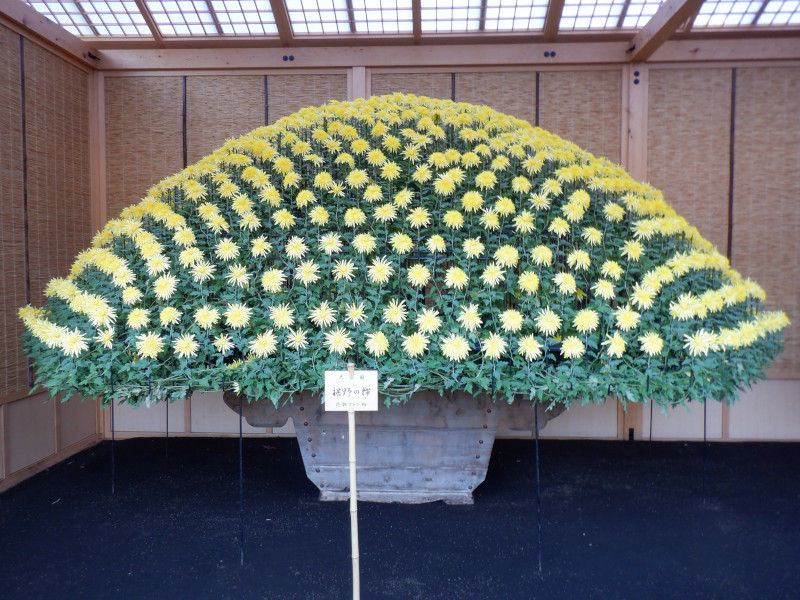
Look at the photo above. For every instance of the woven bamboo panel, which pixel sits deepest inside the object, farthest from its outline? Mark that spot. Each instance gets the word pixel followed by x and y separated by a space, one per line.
pixel 435 85
pixel 13 365
pixel 688 145
pixel 289 93
pixel 144 133
pixel 584 107
pixel 766 209
pixel 218 108
pixel 58 182
pixel 510 93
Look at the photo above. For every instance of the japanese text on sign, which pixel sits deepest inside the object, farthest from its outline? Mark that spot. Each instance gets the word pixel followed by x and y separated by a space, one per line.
pixel 358 391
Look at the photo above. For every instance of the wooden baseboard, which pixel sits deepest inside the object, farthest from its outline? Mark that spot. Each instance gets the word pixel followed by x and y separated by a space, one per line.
pixel 31 470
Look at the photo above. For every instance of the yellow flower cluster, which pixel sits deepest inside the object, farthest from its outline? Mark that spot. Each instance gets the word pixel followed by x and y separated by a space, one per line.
pixel 406 226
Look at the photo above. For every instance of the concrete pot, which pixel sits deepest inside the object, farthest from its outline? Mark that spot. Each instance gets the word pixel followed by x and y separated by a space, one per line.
pixel 432 448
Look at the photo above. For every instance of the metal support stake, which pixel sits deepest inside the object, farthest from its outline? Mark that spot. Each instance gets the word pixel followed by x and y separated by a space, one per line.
pixel 351 430
pixel 241 489
pixel 705 446
pixel 113 461
pixel 538 491
pixel 166 437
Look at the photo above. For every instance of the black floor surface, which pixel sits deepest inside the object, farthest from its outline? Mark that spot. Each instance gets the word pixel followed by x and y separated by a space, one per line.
pixel 619 520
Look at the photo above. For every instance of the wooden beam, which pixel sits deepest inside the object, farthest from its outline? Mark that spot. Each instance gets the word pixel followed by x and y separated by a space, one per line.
pixel 351 16
pixel 282 22
pixel 729 50
pixel 670 15
pixel 553 19
pixel 151 22
pixel 23 18
pixel 366 56
pixel 416 18
pixel 482 22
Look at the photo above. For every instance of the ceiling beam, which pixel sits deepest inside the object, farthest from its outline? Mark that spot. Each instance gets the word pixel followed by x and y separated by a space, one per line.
pixel 20 17
pixel 151 22
pixel 416 17
pixel 214 18
pixel 351 16
pixel 86 17
pixel 482 25
pixel 671 15
pixel 282 22
pixel 553 19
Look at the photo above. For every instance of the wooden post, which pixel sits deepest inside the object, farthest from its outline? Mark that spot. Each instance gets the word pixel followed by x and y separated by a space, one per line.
pixel 351 426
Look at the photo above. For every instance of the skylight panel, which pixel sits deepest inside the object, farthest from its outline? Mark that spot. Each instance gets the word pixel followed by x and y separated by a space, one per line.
pixel 445 16
pixel 778 12
pixel 714 13
pixel 515 16
pixel 591 14
pixel 318 16
pixel 382 16
pixel 638 13
pixel 94 18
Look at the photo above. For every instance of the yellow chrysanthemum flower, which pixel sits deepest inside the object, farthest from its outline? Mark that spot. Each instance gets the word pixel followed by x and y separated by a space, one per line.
pixel 264 344
pixel 385 212
pixel 377 344
pixel 699 343
pixel 435 243
pixel 428 320
pixel 138 318
pixel 473 247
pixel 528 282
pixel 572 347
pixel 344 269
pixel 353 217
pixel 319 215
pixel 364 243
pixel 453 219
pixel 419 217
pixel 307 272
pixel 492 275
pixel 395 313
pixel 380 270
pixel 455 277
pixel 401 243
pixel 507 256
pixel 296 339
pixel 586 320
pixel 511 320
pixel 615 345
pixel 651 343
pixel 548 322
pixel 238 276
pixel 149 345
pixel 472 201
pixel 165 286
pixel 493 346
pixel 565 283
pixel 418 275
pixel 338 341
pixel 454 347
pixel 579 260
pixel 186 346
pixel 330 243
pixel 323 315
pixel 529 348
pixel 415 344
pixel 296 247
pixel 223 343
pixel 283 219
pixel 542 256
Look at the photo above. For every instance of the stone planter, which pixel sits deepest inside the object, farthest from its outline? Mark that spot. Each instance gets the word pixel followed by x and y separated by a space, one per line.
pixel 432 448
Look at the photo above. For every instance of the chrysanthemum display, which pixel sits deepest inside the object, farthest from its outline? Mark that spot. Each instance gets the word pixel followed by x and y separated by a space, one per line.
pixel 447 245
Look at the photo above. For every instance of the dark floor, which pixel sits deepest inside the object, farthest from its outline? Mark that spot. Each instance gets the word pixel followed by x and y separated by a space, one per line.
pixel 619 520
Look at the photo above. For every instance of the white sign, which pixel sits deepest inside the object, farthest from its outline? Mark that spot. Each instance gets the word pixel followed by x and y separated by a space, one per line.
pixel 351 391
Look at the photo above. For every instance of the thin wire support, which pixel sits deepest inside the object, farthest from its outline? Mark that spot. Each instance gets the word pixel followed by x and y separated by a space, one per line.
pixel 538 491
pixel 705 447
pixel 241 489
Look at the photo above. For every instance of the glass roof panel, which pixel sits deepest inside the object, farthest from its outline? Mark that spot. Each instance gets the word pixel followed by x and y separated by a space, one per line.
pixel 716 13
pixel 638 13
pixel 89 18
pixel 199 18
pixel 520 15
pixel 591 14
pixel 778 12
pixel 446 16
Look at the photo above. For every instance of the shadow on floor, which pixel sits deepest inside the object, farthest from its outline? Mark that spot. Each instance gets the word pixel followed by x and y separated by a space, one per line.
pixel 619 520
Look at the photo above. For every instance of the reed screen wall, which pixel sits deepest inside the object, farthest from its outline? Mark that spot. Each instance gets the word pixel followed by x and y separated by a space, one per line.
pixel 45 207
pixel 720 141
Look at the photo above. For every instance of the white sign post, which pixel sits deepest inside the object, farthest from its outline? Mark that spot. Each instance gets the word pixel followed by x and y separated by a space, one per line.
pixel 352 390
